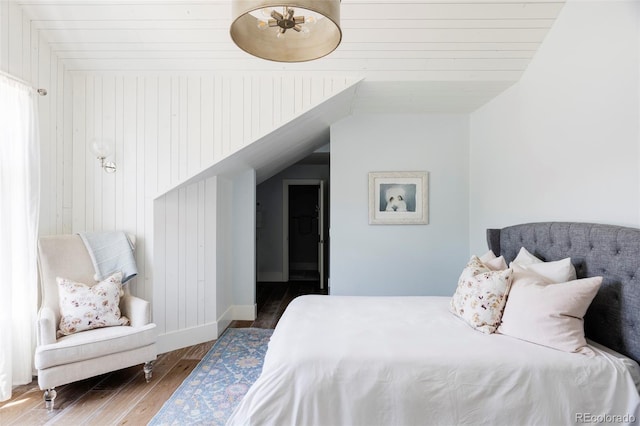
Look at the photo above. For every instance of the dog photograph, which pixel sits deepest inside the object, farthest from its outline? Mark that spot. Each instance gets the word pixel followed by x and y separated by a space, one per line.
pixel 398 198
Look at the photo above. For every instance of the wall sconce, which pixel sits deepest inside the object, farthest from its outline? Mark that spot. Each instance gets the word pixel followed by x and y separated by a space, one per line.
pixel 102 152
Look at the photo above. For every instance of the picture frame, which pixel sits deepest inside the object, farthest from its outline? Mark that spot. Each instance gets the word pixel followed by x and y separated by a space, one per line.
pixel 399 198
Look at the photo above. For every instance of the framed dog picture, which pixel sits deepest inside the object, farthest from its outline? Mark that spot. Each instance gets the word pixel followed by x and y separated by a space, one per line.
pixel 398 198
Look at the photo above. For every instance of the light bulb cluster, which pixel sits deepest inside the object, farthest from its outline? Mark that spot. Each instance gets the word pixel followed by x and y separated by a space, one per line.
pixel 286 20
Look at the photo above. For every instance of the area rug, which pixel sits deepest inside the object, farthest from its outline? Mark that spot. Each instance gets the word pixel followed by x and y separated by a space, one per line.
pixel 210 393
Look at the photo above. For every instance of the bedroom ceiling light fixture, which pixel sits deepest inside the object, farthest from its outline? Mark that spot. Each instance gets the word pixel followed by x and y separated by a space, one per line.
pixel 286 31
pixel 102 152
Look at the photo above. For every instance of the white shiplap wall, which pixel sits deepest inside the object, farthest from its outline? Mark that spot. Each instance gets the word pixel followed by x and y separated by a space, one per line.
pixel 185 283
pixel 163 128
pixel 25 54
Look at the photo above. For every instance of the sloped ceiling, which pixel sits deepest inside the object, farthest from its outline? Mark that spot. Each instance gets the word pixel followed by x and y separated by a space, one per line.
pixel 415 55
pixel 285 145
pixel 436 56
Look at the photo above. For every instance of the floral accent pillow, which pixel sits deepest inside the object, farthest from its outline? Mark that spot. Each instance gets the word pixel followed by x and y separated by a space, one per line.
pixel 481 295
pixel 84 307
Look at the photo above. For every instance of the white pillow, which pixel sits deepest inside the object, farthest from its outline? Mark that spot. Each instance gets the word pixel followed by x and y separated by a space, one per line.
pixel 480 296
pixel 559 271
pixel 526 258
pixel 493 262
pixel 84 307
pixel 549 314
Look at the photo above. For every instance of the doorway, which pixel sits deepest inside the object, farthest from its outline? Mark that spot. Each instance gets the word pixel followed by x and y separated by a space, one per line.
pixel 303 228
pixel 274 288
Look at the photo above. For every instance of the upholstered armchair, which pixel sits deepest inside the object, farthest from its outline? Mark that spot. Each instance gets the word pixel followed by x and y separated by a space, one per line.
pixel 66 359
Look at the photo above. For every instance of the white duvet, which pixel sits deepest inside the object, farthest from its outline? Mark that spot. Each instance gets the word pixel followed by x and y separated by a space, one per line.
pixel 340 361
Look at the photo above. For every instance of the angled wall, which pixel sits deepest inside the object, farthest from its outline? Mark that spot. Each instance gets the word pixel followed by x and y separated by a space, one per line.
pixel 563 143
pixel 163 129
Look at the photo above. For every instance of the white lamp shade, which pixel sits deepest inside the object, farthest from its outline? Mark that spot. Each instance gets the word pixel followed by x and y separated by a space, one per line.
pixel 101 149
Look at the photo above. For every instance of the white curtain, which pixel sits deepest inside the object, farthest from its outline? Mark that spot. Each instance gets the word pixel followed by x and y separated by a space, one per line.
pixel 19 206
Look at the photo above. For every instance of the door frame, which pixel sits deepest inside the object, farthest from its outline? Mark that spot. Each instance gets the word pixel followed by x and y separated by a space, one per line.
pixel 286 183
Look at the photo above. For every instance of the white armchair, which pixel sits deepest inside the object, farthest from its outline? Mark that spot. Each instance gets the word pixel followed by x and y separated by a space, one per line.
pixel 62 360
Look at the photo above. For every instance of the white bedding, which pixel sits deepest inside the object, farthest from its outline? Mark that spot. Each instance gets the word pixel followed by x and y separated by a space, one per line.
pixel 336 361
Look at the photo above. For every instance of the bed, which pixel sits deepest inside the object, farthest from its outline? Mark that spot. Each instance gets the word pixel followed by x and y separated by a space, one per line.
pixel 408 360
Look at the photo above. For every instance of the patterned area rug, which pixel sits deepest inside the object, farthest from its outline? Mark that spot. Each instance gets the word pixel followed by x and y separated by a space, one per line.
pixel 217 384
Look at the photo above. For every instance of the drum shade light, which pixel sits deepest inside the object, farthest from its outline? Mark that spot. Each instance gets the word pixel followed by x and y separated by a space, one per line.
pixel 286 31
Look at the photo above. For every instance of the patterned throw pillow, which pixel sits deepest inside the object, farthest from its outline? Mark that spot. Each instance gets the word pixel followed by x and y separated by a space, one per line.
pixel 84 308
pixel 481 295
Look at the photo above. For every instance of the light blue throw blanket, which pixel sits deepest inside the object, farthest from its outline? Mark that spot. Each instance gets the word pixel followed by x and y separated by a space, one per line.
pixel 110 252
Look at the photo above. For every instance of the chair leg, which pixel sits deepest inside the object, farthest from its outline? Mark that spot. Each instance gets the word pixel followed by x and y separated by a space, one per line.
pixel 49 396
pixel 148 370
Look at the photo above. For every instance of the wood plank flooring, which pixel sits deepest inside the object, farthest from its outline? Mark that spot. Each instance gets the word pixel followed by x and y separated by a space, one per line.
pixel 123 397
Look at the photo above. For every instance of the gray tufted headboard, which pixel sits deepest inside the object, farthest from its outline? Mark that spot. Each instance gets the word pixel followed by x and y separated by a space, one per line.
pixel 613 252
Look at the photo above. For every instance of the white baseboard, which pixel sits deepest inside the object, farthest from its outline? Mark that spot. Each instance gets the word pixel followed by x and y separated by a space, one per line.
pixel 204 333
pixel 270 277
pixel 225 319
pixel 187 337
pixel 236 313
pixel 245 312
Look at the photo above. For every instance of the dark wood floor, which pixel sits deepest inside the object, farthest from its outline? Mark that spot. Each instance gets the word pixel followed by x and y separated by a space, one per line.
pixel 123 397
pixel 273 298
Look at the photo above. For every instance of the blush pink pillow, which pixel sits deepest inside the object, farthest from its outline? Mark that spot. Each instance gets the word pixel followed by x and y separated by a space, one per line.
pixel 549 314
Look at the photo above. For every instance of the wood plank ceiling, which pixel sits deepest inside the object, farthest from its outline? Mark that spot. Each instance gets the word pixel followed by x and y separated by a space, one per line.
pixel 427 56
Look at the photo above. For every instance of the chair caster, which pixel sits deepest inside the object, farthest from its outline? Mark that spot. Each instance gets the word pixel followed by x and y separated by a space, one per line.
pixel 49 397
pixel 148 370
